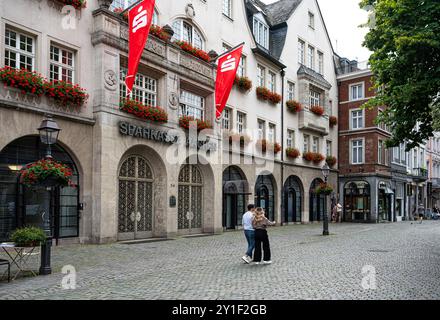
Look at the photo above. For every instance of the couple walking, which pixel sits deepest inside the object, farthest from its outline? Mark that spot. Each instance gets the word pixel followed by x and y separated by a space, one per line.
pixel 254 225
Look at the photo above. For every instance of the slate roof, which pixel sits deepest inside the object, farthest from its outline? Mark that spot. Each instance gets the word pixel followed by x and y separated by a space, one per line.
pixel 280 11
pixel 303 70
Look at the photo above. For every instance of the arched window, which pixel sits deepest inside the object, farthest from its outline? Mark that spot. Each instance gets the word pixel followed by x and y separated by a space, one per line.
pixel 124 4
pixel 184 31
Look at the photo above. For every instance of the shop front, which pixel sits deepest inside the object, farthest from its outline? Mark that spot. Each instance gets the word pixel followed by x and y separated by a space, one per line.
pixel 385 202
pixel 357 202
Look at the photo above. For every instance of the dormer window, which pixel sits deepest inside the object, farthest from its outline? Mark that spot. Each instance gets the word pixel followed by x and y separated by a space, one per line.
pixel 184 31
pixel 311 20
pixel 261 33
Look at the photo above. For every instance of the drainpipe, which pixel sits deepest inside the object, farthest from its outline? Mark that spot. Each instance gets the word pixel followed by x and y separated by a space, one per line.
pixel 283 73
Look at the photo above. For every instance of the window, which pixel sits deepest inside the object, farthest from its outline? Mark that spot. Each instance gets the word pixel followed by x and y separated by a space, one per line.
pixel 61 64
pixel 311 57
pixel 184 31
pixel 227 8
pixel 241 71
pixel 357 91
pixel 357 119
pixel 124 4
pixel 301 51
pixel 261 129
pixel 290 90
pixel 306 142
pixel 272 133
pixel 290 138
pixel 315 98
pixel 192 105
pixel 320 62
pixel 241 122
pixel 272 81
pixel 357 151
pixel 261 33
pixel 380 152
pixel 144 89
pixel 226 119
pixel 329 148
pixel 261 76
pixel 402 153
pixel 19 50
pixel 311 20
pixel 315 145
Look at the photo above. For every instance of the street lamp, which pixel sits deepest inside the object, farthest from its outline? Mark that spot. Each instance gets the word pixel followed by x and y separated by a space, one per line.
pixel 325 172
pixel 49 131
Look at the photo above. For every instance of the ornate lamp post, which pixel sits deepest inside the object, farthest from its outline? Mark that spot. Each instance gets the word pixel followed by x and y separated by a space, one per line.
pixel 49 131
pixel 325 172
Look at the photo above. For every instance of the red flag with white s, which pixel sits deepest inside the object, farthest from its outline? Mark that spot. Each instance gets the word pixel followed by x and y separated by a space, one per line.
pixel 226 71
pixel 139 22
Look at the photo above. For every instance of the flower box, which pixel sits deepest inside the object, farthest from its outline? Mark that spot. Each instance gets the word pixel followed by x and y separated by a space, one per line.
pixel 198 53
pixel 293 106
pixel 292 153
pixel 26 81
pixel 308 156
pixel 318 110
pixel 265 94
pixel 265 145
pixel 66 93
pixel 159 33
pixel 46 172
pixel 331 161
pixel 324 188
pixel 155 114
pixel 243 83
pixel 318 158
pixel 77 4
pixel 244 139
pixel 185 121
pixel 332 120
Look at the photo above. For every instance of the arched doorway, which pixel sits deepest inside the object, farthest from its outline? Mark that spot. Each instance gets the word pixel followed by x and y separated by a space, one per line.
pixel 293 195
pixel 189 216
pixel 264 195
pixel 22 206
pixel 318 203
pixel 235 189
pixel 135 207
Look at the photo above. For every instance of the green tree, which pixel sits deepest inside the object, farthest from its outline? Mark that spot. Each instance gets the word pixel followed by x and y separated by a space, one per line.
pixel 404 37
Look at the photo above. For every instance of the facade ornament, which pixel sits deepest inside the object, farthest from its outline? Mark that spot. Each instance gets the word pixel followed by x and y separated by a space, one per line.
pixel 173 99
pixel 190 12
pixel 110 80
pixel 105 4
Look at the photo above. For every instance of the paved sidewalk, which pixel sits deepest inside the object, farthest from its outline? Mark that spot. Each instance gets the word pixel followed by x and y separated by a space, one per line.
pixel 406 258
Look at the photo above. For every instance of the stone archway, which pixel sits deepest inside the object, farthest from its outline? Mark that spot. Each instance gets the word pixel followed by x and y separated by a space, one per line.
pixel 235 189
pixel 293 198
pixel 265 192
pixel 318 202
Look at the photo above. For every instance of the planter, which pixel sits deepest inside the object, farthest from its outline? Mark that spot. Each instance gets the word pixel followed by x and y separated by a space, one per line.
pixel 243 83
pixel 308 156
pixel 244 140
pixel 26 81
pixel 66 93
pixel 28 237
pixel 198 53
pixel 333 121
pixel 331 161
pixel 265 94
pixel 185 121
pixel 293 106
pixel 46 172
pixel 141 111
pixel 80 4
pixel 292 153
pixel 318 110
pixel 324 189
pixel 264 145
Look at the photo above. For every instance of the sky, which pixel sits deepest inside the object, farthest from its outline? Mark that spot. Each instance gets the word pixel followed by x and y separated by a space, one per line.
pixel 342 18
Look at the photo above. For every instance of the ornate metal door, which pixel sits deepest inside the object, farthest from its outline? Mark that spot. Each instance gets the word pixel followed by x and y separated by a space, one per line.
pixel 135 209
pixel 190 199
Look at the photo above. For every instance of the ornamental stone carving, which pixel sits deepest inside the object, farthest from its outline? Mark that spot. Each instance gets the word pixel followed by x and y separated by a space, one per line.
pixel 196 66
pixel 110 80
pixel 190 12
pixel 173 99
pixel 152 45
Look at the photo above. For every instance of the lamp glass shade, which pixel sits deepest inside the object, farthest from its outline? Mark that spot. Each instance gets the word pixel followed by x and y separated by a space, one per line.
pixel 49 131
pixel 325 170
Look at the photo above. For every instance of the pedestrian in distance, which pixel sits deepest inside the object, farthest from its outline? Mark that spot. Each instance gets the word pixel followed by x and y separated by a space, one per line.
pixel 260 224
pixel 249 232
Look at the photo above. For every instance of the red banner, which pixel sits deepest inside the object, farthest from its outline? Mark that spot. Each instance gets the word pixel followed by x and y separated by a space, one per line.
pixel 139 22
pixel 226 71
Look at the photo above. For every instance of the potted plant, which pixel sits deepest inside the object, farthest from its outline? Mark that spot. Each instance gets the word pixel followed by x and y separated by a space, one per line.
pixel 332 121
pixel 28 237
pixel 274 97
pixel 66 93
pixel 244 139
pixel 308 156
pixel 155 114
pixel 293 106
pixel 185 121
pixel 331 160
pixel 243 83
pixel 318 110
pixel 187 47
pixel 318 158
pixel 46 172
pixel 292 153
pixel 262 93
pixel 24 80
pixel 324 188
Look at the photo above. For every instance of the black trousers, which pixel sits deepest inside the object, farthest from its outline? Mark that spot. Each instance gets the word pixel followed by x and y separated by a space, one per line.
pixel 261 238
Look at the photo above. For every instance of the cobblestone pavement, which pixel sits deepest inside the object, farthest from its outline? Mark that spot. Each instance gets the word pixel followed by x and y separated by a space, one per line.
pixel 406 258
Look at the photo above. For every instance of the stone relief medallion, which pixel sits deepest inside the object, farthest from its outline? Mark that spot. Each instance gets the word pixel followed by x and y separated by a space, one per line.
pixel 190 12
pixel 189 215
pixel 110 80
pixel 173 100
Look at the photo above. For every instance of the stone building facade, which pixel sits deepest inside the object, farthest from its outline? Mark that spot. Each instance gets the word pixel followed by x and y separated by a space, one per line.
pixel 140 179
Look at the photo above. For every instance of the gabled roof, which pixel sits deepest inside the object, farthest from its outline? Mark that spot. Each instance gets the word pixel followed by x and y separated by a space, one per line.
pixel 313 75
pixel 280 11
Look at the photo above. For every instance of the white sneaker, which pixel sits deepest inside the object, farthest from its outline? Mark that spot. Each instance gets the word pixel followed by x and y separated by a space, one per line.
pixel 267 262
pixel 257 263
pixel 246 259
